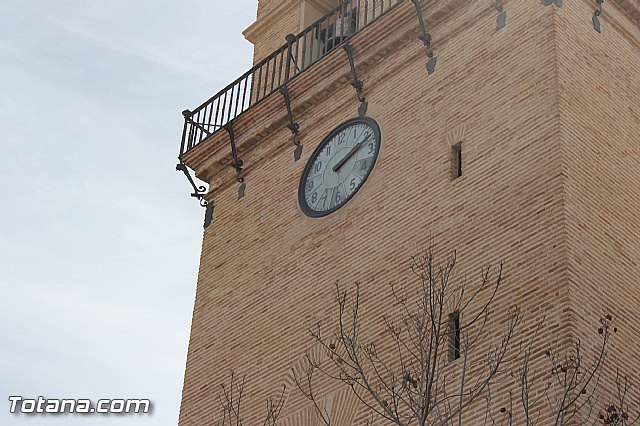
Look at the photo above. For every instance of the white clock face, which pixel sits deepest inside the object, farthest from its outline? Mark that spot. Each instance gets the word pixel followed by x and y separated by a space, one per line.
pixel 339 166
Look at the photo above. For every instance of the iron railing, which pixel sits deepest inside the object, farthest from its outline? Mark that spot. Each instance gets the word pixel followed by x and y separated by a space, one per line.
pixel 272 73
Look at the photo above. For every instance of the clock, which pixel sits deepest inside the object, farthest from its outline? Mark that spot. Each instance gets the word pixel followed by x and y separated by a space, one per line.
pixel 339 166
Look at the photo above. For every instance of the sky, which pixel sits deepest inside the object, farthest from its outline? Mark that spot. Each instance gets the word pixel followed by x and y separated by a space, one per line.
pixel 99 239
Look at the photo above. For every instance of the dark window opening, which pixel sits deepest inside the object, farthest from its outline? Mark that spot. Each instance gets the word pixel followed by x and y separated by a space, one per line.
pixel 454 332
pixel 456 160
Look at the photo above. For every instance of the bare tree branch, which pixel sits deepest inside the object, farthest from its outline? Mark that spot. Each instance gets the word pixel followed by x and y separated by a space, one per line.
pixel 421 374
pixel 571 392
pixel 230 399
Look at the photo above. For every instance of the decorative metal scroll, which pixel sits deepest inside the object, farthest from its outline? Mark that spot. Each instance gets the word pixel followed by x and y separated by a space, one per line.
pixel 198 192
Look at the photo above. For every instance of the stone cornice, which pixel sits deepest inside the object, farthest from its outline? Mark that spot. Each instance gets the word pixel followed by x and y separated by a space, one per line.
pixel 631 8
pixel 324 5
pixel 255 30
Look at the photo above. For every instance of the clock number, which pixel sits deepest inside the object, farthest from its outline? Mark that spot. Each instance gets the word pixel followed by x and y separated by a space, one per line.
pixel 338 197
pixel 342 138
pixel 352 184
pixel 318 167
pixel 323 199
pixel 328 151
pixel 310 185
pixel 363 166
pixel 371 148
pixel 314 197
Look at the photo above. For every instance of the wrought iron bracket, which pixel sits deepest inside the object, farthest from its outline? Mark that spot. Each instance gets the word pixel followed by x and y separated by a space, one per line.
pixel 198 191
pixel 237 162
pixel 596 14
pixel 293 126
pixel 355 82
pixel 426 38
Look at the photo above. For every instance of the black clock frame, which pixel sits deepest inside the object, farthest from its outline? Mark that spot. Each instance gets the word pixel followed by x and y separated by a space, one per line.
pixel 305 173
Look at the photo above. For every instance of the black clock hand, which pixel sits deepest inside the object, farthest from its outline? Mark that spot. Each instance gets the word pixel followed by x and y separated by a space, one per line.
pixel 355 148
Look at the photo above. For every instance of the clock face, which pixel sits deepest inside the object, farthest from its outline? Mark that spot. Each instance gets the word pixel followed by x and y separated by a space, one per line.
pixel 339 166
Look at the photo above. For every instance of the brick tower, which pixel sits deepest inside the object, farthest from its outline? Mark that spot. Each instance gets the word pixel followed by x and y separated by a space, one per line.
pixel 512 134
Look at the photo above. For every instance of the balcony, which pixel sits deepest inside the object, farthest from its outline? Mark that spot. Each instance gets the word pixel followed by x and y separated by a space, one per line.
pixel 299 53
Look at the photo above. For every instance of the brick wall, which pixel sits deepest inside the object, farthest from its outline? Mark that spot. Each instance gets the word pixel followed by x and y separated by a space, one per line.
pixel 546 188
pixel 600 120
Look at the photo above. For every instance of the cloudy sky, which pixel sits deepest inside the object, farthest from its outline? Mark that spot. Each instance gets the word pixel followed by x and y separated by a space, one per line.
pixel 99 239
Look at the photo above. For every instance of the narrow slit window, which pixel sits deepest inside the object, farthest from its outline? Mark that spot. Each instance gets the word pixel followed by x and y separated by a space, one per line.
pixel 454 332
pixel 456 160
